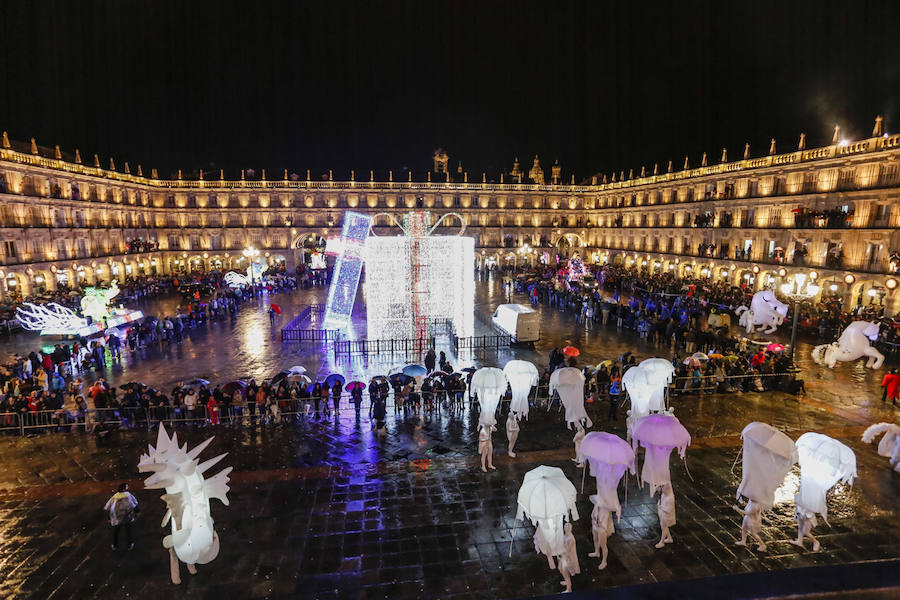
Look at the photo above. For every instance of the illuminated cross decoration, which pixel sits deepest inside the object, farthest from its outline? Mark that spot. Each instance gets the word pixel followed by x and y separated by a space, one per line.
pixel 350 251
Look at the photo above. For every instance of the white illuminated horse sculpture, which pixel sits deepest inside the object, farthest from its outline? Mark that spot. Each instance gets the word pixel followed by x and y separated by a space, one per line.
pixel 852 345
pixel 890 443
pixel 765 312
pixel 193 539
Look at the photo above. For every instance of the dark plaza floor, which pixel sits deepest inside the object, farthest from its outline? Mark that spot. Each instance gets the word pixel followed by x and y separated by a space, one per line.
pixel 322 509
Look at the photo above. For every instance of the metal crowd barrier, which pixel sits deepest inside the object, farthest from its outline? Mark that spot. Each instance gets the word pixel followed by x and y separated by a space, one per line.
pixel 482 341
pixel 366 348
pixel 249 413
pixel 295 331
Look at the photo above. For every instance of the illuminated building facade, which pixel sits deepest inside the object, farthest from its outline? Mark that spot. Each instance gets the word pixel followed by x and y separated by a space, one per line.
pixel 833 209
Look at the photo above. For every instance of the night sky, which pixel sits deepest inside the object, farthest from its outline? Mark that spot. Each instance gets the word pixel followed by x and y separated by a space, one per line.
pixel 601 86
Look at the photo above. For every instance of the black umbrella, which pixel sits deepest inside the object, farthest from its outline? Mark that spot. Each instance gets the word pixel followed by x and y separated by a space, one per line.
pixel 399 379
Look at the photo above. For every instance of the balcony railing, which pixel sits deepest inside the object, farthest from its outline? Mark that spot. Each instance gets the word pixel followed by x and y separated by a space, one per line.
pixel 878 268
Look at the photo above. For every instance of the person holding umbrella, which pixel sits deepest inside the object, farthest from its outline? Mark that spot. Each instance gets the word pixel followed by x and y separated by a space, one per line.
pixel 356 389
pixel 377 406
pixel 336 390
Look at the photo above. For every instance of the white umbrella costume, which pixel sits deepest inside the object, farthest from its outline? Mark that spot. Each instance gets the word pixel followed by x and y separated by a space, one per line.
pixel 660 373
pixel 490 384
pixel 608 457
pixel 824 462
pixel 547 499
pixel 767 457
pixel 522 376
pixel 659 434
pixel 636 384
pixel 569 383
pixel 646 385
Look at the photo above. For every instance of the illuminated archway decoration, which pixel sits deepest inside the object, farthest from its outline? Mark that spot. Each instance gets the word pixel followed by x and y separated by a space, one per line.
pixel 350 253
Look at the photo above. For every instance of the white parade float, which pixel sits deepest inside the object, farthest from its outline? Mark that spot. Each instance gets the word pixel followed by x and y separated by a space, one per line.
pixel 766 312
pixel 889 445
pixel 853 344
pixel 55 319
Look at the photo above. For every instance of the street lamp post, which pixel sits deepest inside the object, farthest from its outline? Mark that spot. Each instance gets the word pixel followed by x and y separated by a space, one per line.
pixel 802 288
pixel 251 253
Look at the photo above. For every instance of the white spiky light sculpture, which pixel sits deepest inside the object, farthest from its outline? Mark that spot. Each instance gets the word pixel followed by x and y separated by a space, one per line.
pixel 193 539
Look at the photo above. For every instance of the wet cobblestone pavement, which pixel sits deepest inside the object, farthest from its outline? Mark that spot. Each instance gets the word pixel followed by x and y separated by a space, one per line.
pixel 322 509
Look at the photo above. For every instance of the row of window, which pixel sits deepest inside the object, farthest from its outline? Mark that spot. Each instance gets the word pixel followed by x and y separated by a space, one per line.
pixel 865 176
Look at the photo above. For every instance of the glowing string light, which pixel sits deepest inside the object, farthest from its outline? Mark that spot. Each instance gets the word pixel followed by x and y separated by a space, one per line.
pixel 347 270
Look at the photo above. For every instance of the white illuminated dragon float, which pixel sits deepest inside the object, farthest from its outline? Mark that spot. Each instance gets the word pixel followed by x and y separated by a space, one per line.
pixel 766 312
pixel 50 317
pixel 852 345
pixel 193 539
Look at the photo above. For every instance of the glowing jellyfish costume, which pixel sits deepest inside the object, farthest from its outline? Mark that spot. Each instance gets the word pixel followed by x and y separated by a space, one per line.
pixel 569 383
pixel 522 376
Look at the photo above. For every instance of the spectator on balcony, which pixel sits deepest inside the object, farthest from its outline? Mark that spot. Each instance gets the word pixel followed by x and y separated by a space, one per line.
pixel 894 261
